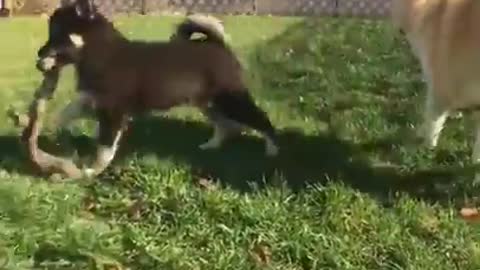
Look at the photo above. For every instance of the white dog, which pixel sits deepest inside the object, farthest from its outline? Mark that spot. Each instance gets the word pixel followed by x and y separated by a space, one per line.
pixel 445 36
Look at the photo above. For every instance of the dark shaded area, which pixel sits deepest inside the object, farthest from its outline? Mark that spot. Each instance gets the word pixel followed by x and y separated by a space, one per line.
pixel 303 160
pixel 14 156
pixel 53 257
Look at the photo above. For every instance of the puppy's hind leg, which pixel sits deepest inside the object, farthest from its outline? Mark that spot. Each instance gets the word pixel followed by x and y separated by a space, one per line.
pixel 224 128
pixel 239 107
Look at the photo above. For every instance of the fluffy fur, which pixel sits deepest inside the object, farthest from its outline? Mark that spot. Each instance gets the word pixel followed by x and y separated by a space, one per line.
pixel 120 77
pixel 211 27
pixel 444 36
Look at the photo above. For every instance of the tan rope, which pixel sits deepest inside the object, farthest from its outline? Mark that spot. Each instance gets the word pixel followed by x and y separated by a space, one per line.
pixel 41 160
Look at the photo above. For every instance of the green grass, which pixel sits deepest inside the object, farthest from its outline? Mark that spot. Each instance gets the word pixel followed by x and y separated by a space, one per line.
pixel 350 190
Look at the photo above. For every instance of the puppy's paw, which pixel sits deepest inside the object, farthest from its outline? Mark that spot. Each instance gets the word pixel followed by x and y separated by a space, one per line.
pixel 271 150
pixel 212 144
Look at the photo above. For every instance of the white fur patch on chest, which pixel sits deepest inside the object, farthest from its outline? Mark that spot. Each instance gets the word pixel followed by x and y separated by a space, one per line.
pixel 77 40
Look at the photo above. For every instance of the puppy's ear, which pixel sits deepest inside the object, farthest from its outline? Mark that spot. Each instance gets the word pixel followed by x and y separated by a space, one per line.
pixel 86 9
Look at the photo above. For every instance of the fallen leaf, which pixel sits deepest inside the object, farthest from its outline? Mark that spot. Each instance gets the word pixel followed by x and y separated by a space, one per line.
pixel 207 184
pixel 261 254
pixel 470 214
pixel 89 203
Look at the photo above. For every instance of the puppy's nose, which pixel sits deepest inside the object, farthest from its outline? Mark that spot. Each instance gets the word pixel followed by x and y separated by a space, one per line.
pixel 41 52
pixel 38 65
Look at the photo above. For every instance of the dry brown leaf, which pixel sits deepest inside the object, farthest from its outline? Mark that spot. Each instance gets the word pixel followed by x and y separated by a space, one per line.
pixel 207 184
pixel 261 254
pixel 89 203
pixel 470 214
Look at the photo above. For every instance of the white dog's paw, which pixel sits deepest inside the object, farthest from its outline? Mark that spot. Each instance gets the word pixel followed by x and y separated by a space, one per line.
pixel 89 172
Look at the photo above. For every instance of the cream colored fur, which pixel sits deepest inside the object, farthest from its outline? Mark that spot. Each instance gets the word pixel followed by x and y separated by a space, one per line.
pixel 214 24
pixel 445 37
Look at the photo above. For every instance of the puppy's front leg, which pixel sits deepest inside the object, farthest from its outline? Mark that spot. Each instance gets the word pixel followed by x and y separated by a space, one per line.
pixel 110 131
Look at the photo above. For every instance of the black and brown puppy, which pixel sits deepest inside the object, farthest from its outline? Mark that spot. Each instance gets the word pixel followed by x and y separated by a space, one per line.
pixel 120 77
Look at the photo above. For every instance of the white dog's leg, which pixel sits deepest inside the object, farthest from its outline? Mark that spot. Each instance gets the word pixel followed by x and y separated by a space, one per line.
pixel 435 116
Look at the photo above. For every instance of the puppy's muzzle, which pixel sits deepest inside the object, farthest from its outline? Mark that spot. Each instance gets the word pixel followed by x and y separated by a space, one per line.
pixel 46 63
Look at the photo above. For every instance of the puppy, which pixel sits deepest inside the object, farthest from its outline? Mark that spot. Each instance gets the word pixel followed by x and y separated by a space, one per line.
pixel 210 28
pixel 444 36
pixel 120 77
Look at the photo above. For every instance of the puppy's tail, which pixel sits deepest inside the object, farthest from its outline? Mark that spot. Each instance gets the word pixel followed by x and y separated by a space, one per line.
pixel 210 26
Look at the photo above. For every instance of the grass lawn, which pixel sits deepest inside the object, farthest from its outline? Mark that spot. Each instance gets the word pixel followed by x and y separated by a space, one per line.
pixel 350 190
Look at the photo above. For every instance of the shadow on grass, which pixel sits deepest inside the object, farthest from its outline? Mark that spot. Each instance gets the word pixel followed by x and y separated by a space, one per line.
pixel 14 156
pixel 49 255
pixel 303 160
